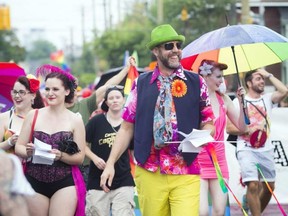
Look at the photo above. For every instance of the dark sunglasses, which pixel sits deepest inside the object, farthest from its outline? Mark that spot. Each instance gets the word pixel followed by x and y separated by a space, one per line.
pixel 170 46
pixel 119 87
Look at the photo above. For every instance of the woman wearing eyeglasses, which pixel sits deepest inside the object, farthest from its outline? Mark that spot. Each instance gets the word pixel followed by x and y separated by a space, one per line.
pixel 26 96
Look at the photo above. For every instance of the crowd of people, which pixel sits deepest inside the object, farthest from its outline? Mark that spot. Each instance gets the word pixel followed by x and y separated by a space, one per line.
pixel 86 170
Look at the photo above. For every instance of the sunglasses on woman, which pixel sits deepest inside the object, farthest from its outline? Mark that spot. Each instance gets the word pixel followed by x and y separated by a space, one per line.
pixel 119 87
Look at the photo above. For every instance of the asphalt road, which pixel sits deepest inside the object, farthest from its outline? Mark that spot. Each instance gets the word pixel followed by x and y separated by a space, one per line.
pixel 271 210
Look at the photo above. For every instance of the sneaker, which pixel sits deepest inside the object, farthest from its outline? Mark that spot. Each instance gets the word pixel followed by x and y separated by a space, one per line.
pixel 245 203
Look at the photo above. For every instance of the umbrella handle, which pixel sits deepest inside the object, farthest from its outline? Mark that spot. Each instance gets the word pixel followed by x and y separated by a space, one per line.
pixel 247 121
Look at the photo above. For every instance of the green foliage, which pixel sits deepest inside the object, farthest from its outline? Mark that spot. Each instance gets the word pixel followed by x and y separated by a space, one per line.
pixel 41 49
pixel 10 49
pixel 204 16
pixel 133 33
pixel 85 79
pixel 88 59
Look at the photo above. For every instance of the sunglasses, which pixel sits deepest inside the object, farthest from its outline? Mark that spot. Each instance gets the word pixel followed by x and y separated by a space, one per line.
pixel 21 93
pixel 170 46
pixel 119 87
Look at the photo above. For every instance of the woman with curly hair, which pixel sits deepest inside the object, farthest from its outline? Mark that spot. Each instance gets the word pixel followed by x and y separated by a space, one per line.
pixel 59 185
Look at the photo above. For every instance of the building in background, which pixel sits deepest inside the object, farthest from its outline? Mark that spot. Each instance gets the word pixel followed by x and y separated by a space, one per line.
pixel 274 15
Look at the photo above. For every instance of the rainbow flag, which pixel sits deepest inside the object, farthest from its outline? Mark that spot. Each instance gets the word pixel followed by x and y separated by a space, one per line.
pixel 131 76
pixel 58 57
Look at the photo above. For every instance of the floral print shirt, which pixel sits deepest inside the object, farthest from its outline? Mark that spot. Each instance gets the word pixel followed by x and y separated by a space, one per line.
pixel 169 158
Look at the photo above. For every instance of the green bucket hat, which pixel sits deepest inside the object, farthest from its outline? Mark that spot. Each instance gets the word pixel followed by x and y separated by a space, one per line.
pixel 162 34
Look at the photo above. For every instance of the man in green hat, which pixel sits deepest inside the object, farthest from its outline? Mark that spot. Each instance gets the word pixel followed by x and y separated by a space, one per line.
pixel 160 104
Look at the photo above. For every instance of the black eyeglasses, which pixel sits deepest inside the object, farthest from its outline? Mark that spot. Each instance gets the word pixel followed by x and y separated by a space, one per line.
pixel 21 93
pixel 170 46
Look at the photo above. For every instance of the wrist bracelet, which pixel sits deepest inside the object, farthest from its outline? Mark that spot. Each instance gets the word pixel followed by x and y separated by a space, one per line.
pixel 270 75
pixel 9 142
pixel 60 155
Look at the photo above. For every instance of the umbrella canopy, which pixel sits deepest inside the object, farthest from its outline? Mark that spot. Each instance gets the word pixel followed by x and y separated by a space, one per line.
pixel 241 47
pixel 9 72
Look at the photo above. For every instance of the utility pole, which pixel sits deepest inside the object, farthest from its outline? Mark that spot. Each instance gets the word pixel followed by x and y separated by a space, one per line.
pixel 110 14
pixel 83 25
pixel 94 17
pixel 160 12
pixel 245 12
pixel 105 14
pixel 72 59
pixel 119 11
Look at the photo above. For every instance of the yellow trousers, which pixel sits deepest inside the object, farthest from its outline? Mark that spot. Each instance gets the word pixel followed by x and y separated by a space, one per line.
pixel 167 195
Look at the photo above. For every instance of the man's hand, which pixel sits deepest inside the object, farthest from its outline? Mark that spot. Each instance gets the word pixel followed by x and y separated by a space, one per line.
pixel 107 177
pixel 263 73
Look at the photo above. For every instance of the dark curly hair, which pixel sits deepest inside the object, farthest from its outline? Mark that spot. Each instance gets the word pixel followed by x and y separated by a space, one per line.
pixel 67 83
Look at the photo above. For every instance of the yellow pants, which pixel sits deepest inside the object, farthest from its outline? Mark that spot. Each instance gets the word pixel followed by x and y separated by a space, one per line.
pixel 167 195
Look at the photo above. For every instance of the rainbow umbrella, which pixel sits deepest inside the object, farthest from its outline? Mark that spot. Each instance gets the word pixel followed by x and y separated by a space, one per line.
pixel 241 47
pixel 9 72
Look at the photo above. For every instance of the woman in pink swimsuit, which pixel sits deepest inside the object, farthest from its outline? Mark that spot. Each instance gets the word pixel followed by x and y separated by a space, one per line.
pixel 222 105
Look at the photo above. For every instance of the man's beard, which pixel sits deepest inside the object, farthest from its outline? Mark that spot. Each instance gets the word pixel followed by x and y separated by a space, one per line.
pixel 257 90
pixel 167 64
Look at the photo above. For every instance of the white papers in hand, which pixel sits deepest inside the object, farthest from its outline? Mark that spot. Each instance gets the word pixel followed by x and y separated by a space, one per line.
pixel 42 154
pixel 194 140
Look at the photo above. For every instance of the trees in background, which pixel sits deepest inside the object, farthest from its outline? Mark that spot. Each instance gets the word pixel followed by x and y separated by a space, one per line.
pixel 190 18
pixel 10 48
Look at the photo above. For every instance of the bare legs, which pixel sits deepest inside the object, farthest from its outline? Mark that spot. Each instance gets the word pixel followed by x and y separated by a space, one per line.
pixel 258 196
pixel 219 199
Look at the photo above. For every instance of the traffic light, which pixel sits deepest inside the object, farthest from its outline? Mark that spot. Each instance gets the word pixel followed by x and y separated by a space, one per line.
pixel 5 17
pixel 184 14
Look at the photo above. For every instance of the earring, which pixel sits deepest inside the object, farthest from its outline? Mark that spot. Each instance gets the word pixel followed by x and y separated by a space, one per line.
pixel 32 102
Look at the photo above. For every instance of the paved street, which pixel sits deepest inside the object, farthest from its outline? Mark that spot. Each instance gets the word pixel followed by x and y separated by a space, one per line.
pixel 271 210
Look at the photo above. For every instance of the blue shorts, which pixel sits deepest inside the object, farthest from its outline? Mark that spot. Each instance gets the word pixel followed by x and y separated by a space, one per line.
pixel 249 171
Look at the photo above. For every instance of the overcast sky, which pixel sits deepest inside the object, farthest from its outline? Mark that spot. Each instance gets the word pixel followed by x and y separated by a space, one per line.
pixel 61 20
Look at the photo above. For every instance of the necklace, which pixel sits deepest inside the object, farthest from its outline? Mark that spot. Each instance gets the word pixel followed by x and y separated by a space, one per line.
pixel 19 116
pixel 113 128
